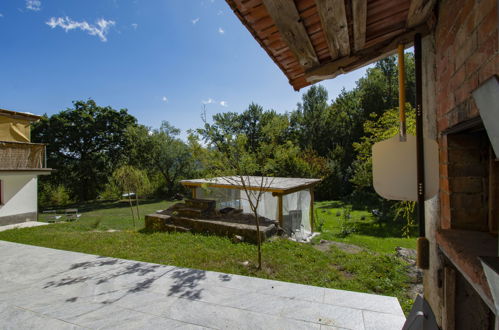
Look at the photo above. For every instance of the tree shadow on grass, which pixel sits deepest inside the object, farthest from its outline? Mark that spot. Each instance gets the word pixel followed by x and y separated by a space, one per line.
pixel 104 205
pixel 380 229
pixel 332 205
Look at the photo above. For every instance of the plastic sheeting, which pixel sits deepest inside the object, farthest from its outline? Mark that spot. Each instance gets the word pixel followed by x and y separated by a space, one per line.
pixel 296 206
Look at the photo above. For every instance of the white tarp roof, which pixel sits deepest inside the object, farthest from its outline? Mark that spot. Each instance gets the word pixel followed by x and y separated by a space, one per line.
pixel 272 184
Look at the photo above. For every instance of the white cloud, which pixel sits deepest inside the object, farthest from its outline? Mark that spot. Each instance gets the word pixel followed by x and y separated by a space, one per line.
pixel 220 12
pixel 165 99
pixel 220 30
pixel 100 29
pixel 194 21
pixel 1 15
pixel 212 101
pixel 34 5
pixel 135 26
pixel 208 101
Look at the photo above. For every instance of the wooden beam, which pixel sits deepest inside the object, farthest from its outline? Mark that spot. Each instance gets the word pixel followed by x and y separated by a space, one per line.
pixel 312 218
pixel 419 10
pixel 334 24
pixel 449 315
pixel 280 216
pixel 193 192
pixel 359 10
pixel 288 22
pixel 364 57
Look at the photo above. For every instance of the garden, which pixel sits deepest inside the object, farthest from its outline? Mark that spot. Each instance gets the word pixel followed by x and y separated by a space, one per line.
pixel 367 264
pixel 115 171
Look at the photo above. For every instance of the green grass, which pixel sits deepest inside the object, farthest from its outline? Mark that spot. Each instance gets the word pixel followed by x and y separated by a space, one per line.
pixel 379 237
pixel 367 271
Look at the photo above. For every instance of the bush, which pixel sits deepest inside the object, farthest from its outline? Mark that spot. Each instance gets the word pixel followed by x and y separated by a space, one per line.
pixel 347 227
pixel 51 195
pixel 111 192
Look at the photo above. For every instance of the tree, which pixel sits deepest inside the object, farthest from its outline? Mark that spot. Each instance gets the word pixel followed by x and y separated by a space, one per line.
pixel 131 180
pixel 249 123
pixel 237 166
pixel 84 144
pixel 377 129
pixel 312 120
pixel 161 151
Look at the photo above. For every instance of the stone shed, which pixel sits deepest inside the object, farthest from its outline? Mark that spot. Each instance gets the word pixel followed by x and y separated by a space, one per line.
pixel 286 200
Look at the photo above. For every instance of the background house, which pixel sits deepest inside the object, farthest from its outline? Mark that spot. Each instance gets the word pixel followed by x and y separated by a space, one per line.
pixel 21 162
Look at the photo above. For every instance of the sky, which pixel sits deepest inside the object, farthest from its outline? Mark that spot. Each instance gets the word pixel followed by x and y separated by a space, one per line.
pixel 160 59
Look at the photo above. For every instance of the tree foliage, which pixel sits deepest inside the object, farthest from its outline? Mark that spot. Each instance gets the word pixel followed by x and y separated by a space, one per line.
pixel 84 145
pixel 160 151
pixel 133 182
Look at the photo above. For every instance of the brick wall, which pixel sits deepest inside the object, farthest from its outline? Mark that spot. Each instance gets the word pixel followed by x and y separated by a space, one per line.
pixel 466 49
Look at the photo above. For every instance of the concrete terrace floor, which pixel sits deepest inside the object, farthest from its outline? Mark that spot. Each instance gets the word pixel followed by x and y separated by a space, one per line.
pixel 43 288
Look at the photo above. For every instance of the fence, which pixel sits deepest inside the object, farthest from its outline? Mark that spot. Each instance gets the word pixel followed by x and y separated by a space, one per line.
pixel 17 155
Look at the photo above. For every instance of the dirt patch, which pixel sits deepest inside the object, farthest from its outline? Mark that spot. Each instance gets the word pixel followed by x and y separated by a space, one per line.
pixel 346 274
pixel 325 245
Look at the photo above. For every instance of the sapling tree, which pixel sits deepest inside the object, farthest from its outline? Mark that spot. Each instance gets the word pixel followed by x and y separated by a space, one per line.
pixel 229 159
pixel 132 181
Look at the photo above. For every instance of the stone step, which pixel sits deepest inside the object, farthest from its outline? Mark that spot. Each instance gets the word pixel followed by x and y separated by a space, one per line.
pixel 190 212
pixel 201 204
pixel 174 228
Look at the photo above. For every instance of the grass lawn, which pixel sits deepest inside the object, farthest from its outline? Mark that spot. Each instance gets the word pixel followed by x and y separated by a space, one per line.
pixel 372 270
pixel 379 237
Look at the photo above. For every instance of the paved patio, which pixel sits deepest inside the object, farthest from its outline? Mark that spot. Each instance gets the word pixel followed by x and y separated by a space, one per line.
pixel 26 224
pixel 44 288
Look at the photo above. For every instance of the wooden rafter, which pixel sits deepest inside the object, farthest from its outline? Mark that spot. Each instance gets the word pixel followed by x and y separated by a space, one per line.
pixel 359 11
pixel 368 55
pixel 288 22
pixel 305 40
pixel 419 11
pixel 334 21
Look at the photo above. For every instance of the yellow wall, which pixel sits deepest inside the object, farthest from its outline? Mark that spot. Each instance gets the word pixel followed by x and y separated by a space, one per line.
pixel 17 130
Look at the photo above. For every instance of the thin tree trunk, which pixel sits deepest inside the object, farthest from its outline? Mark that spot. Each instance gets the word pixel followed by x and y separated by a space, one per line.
pixel 137 206
pixel 258 239
pixel 131 209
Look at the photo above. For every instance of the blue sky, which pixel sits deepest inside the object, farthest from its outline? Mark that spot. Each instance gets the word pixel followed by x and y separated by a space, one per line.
pixel 160 59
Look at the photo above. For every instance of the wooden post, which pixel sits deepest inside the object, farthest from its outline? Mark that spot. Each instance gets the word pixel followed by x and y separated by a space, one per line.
pixel 312 218
pixel 423 245
pixel 401 67
pixel 193 192
pixel 280 216
pixel 448 317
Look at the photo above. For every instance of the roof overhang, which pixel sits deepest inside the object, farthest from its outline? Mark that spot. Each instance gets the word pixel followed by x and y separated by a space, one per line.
pixel 276 185
pixel 313 40
pixel 19 115
pixel 26 171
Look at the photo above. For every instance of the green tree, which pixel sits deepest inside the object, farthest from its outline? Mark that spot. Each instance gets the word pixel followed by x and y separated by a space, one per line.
pixel 161 151
pixel 249 123
pixel 235 164
pixel 84 144
pixel 377 129
pixel 132 181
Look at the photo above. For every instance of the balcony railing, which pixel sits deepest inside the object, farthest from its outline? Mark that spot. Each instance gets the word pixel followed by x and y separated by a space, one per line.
pixel 22 156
